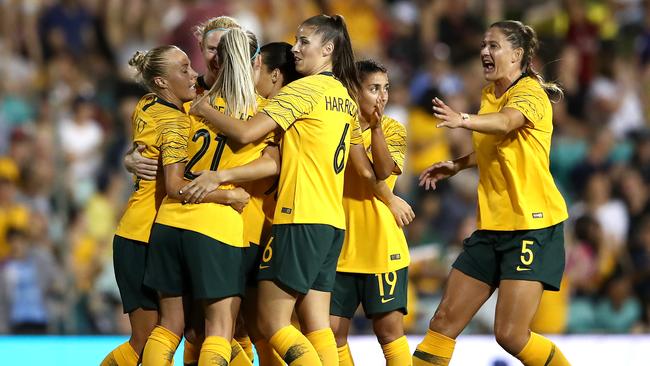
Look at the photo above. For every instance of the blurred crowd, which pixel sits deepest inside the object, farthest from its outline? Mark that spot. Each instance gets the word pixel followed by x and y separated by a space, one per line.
pixel 66 97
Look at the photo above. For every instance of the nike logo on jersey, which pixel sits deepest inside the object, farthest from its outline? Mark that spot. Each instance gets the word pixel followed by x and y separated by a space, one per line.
pixel 263 266
pixel 521 269
pixel 383 301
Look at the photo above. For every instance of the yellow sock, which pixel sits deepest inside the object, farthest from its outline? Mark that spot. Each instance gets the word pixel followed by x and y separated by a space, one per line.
pixel 541 351
pixel 123 355
pixel 160 347
pixel 397 352
pixel 325 344
pixel 294 348
pixel 434 350
pixel 238 356
pixel 215 351
pixel 345 357
pixel 190 354
pixel 267 355
pixel 247 346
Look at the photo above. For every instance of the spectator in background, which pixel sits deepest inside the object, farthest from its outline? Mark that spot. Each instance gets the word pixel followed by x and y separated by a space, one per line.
pixel 66 26
pixel 607 210
pixel 24 290
pixel 619 311
pixel 81 140
pixel 640 257
pixel 12 214
pixel 589 260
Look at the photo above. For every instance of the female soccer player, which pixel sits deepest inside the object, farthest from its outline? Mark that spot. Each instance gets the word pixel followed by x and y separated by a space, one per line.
pixel 318 116
pixel 198 249
pixel 378 281
pixel 208 34
pixel 278 69
pixel 157 120
pixel 519 244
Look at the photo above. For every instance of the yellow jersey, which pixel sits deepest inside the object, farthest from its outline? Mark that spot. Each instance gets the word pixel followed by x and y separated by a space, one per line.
pixel 516 190
pixel 162 128
pixel 208 149
pixel 258 213
pixel 373 241
pixel 320 120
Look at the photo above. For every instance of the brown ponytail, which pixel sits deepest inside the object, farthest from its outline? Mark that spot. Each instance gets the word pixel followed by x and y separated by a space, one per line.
pixel 333 28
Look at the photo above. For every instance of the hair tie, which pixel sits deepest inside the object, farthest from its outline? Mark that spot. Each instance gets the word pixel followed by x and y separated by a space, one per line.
pixel 257 52
pixel 215 29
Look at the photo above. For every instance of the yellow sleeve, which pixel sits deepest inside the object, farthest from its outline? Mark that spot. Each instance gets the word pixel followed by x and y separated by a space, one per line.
pixel 356 137
pixel 294 101
pixel 173 131
pixel 529 100
pixel 395 135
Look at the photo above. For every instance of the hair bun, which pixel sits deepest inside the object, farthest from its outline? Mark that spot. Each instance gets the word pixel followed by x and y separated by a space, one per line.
pixel 138 60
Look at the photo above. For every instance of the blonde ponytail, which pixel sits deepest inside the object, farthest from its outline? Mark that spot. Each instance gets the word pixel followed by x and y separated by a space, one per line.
pixel 236 51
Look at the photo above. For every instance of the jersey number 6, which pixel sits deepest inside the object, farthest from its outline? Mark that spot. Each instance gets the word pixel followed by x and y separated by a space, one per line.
pixel 339 154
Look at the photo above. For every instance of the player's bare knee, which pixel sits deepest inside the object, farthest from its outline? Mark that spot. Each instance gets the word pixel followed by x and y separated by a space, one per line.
pixel 510 338
pixel 388 329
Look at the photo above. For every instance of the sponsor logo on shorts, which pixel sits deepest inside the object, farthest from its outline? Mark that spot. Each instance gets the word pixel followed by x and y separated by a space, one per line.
pixel 521 269
pixel 263 266
pixel 538 215
pixel 285 210
pixel 395 257
pixel 383 301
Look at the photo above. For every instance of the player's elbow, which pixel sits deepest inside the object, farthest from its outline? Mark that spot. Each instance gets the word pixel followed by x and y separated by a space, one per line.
pixel 366 174
pixel 382 173
pixel 244 136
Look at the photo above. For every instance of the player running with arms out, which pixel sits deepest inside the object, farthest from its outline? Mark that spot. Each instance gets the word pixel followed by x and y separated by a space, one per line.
pixel 378 281
pixel 157 120
pixel 319 119
pixel 519 244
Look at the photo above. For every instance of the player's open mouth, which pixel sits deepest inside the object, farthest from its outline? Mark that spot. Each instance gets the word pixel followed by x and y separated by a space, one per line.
pixel 488 66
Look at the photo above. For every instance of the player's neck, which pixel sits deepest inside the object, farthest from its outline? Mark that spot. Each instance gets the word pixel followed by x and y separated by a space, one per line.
pixel 209 79
pixel 171 98
pixel 363 121
pixel 502 84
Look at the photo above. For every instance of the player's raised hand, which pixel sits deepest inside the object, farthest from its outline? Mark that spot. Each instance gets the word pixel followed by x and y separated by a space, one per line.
pixel 401 210
pixel 447 116
pixel 377 113
pixel 196 190
pixel 200 105
pixel 436 172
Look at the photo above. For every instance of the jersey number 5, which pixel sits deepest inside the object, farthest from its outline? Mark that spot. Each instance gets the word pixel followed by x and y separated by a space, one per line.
pixel 339 154
pixel 205 135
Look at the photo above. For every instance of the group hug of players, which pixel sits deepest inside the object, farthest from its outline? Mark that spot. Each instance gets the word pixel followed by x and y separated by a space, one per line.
pixel 264 191
pixel 254 214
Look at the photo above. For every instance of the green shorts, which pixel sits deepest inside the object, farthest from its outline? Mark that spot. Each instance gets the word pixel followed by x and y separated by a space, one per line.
pixel 530 255
pixel 129 259
pixel 184 262
pixel 378 293
pixel 302 256
pixel 252 259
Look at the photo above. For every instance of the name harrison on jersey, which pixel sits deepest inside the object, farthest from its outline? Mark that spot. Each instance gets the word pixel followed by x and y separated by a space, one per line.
pixel 338 104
